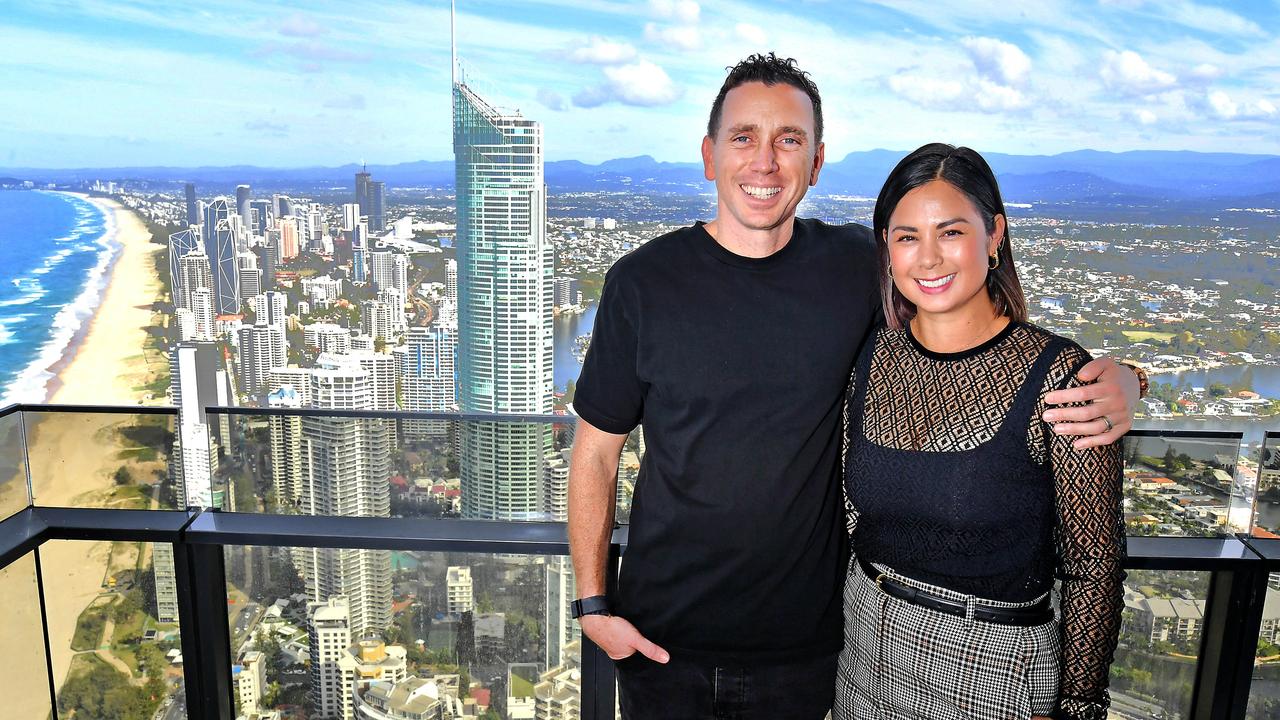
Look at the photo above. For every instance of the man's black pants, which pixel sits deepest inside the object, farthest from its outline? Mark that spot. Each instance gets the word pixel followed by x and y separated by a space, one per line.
pixel 687 689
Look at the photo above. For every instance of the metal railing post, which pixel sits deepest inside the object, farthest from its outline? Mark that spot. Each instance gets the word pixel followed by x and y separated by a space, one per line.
pixel 1229 642
pixel 599 679
pixel 206 642
pixel 44 628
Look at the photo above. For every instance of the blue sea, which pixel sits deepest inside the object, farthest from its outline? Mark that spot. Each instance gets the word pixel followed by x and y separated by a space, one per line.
pixel 55 254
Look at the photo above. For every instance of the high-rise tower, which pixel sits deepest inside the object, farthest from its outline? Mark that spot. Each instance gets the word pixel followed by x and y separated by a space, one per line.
pixel 363 181
pixel 346 465
pixel 242 205
pixel 220 233
pixel 193 206
pixel 377 206
pixel 504 305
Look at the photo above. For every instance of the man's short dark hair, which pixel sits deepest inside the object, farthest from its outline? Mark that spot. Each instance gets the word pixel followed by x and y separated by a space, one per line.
pixel 770 70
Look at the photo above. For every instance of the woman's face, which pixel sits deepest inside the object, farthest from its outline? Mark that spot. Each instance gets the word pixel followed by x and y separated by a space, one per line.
pixel 939 249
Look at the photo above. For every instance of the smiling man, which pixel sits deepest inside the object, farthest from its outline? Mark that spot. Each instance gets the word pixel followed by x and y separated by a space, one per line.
pixel 732 341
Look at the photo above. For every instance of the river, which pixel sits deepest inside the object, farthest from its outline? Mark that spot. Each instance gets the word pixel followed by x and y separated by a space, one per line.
pixel 568 327
pixel 1265 378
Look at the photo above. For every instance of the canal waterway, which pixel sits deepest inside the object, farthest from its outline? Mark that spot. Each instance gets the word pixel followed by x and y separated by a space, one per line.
pixel 567 328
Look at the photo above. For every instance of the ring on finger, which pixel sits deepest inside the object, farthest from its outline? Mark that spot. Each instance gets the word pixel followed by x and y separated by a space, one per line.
pixel 1107 420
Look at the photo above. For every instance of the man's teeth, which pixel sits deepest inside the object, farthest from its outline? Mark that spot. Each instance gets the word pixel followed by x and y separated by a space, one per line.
pixel 936 283
pixel 763 193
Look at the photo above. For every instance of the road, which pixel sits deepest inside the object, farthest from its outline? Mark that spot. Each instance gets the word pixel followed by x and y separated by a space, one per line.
pixel 246 620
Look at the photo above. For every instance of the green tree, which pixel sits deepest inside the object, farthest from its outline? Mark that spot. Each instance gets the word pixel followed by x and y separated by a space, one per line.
pixel 122 476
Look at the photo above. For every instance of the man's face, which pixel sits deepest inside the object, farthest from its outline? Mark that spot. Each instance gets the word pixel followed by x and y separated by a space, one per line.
pixel 764 156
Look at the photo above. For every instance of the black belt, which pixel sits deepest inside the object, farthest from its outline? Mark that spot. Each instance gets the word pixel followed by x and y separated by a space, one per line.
pixel 1038 614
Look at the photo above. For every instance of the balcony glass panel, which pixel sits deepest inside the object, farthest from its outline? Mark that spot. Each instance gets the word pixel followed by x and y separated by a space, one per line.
pixel 310 625
pixel 1155 664
pixel 101 459
pixel 1264 691
pixel 13 466
pixel 366 465
pixel 1184 484
pixel 112 628
pixel 1267 464
pixel 26 679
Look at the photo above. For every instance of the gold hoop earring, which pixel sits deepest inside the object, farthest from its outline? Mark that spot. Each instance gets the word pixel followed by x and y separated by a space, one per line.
pixel 890 272
pixel 993 262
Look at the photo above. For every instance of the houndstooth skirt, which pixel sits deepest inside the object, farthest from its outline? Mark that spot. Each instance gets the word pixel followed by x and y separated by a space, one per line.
pixel 902 661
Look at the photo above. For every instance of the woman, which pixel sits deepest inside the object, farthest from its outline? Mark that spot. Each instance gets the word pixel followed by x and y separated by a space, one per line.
pixel 964 505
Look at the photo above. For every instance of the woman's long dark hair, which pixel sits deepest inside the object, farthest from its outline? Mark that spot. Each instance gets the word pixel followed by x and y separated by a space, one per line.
pixel 966 171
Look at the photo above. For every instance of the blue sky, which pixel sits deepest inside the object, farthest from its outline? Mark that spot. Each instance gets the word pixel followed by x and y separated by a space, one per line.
pixel 151 82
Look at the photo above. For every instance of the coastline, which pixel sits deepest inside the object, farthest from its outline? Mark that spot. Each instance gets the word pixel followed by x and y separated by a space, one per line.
pixel 104 362
pixel 73 456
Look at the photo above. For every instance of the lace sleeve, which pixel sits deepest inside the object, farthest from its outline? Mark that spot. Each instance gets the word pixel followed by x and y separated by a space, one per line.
pixel 1090 539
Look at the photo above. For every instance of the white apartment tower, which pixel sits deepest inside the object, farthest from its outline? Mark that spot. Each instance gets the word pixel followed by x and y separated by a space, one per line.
pixel 389 270
pixel 250 275
pixel 262 349
pixel 426 371
pixel 327 338
pixel 270 309
pixel 459 588
pixel 346 467
pixel 250 679
pixel 377 320
pixel 561 630
pixel 192 274
pixel 451 280
pixel 330 636
pixel 202 312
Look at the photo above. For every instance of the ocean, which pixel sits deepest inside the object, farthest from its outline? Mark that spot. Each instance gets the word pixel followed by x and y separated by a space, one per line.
pixel 55 253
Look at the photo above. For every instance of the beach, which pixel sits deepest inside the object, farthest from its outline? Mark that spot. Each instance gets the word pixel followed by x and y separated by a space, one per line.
pixel 73 456
pixel 105 364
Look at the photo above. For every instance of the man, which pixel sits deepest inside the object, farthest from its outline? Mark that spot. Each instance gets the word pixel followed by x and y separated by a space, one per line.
pixel 733 342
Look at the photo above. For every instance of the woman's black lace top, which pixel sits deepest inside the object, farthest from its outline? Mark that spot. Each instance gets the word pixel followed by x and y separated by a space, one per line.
pixel 952 478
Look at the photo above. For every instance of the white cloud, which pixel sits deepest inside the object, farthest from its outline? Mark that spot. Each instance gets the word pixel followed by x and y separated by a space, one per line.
pixel 1143 116
pixel 643 84
pixel 1222 106
pixel 1003 62
pixel 1206 18
pixel 753 34
pixel 601 51
pixel 680 37
pixel 685 11
pixel 1126 72
pixel 994 97
pixel 926 91
pixel 1206 71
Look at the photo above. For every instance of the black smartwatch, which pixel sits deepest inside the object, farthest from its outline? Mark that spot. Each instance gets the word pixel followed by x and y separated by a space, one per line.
pixel 594 605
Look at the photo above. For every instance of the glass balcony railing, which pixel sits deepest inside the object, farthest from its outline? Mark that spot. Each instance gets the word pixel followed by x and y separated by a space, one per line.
pixel 253 564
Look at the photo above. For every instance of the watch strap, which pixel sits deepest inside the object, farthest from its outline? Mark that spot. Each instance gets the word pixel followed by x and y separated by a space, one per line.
pixel 594 605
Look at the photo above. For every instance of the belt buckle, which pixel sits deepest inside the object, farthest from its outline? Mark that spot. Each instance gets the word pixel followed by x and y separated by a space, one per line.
pixel 880 577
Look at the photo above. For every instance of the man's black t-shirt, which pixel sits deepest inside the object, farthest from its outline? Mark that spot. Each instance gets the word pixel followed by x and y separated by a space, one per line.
pixel 737 368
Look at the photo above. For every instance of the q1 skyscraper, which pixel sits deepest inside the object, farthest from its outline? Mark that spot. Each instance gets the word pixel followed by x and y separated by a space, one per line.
pixel 504 305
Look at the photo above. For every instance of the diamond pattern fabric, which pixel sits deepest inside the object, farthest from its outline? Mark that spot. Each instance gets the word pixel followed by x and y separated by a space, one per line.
pixel 951 474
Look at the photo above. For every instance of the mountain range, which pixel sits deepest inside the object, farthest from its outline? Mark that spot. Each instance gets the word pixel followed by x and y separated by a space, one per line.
pixel 1083 175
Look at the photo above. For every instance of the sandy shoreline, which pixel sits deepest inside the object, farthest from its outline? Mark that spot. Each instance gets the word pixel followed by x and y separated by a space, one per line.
pixel 105 364
pixel 73 456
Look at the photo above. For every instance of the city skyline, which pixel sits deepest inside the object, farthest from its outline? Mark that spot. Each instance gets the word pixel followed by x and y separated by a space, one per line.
pixel 619 79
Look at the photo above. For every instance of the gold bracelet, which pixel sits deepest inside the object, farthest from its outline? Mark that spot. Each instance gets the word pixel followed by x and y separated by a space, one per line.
pixel 1144 383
